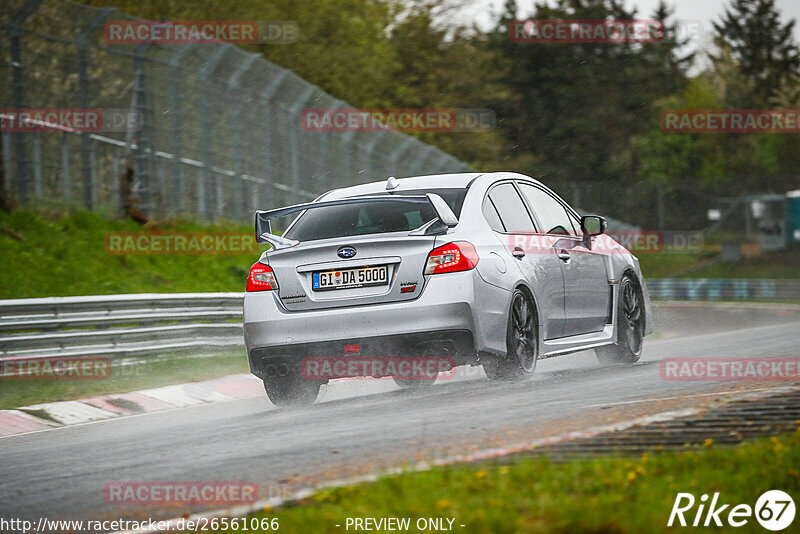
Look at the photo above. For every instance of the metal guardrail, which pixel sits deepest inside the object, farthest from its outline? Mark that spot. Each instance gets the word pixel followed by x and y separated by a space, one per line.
pixel 119 325
pixel 744 289
pixel 135 325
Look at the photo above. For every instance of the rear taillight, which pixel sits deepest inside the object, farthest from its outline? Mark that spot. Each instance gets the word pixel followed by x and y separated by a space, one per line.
pixel 451 258
pixel 261 278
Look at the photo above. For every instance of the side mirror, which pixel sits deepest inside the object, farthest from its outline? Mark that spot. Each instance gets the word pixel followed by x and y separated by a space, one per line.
pixel 593 225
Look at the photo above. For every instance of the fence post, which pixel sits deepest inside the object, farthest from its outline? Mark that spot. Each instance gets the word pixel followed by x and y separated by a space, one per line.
pixel 144 166
pixel 294 140
pixel 234 90
pixel 204 203
pixel 115 174
pixel 345 140
pixel 177 124
pixel 5 177
pixel 264 97
pixel 82 42
pixel 748 217
pixel 18 94
pixel 66 185
pixel 321 169
pixel 37 164
pixel 328 155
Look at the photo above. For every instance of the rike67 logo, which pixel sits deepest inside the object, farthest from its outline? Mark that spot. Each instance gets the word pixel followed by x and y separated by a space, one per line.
pixel 774 510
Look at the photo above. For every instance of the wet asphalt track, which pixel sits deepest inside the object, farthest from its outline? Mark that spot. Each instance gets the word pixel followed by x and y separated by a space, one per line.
pixel 358 426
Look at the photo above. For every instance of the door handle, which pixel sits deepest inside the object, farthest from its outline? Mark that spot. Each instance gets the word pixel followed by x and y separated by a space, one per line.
pixel 518 253
pixel 563 255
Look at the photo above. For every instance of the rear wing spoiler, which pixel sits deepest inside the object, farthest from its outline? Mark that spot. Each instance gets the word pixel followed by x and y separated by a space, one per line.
pixel 264 229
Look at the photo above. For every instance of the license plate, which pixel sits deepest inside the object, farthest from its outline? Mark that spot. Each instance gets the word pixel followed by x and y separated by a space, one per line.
pixel 350 278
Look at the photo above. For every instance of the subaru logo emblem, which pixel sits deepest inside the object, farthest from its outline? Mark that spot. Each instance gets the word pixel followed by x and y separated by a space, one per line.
pixel 346 252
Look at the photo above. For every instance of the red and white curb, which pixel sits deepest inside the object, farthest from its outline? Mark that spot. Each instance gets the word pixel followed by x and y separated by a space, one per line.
pixel 38 417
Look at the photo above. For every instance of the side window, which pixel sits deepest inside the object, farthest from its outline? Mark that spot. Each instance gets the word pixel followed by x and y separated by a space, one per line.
pixel 511 209
pixel 490 212
pixel 549 211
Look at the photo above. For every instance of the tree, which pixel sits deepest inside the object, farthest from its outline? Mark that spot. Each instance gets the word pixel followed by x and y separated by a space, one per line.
pixel 575 106
pixel 787 95
pixel 342 45
pixel 441 65
pixel 762 45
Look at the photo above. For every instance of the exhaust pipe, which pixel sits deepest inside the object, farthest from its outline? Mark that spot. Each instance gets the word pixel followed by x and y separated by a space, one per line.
pixel 441 350
pixel 271 369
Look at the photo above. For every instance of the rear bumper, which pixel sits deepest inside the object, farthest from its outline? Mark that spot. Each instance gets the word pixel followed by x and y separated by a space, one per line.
pixel 456 302
pixel 454 345
pixel 445 304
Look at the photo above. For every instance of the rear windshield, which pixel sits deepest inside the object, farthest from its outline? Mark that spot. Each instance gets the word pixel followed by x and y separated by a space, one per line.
pixel 371 217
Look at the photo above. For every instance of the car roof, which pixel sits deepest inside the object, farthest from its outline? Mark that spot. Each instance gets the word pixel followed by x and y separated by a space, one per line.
pixel 433 181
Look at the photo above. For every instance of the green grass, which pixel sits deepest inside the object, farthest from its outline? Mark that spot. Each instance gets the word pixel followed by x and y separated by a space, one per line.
pixel 55 255
pixel 604 495
pixel 168 369
pixel 61 256
pixel 784 264
pixel 669 265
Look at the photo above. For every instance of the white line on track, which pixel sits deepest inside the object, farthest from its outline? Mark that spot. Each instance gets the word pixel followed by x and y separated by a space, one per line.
pixel 658 399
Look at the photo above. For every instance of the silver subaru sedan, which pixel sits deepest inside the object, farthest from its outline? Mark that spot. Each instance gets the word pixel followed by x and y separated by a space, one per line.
pixel 488 269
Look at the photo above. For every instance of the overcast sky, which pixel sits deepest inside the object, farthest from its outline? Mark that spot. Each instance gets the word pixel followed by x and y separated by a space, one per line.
pixel 699 13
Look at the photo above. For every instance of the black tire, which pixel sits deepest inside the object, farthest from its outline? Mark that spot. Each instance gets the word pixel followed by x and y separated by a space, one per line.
pixel 288 388
pixel 414 384
pixel 522 341
pixel 630 326
pixel 420 382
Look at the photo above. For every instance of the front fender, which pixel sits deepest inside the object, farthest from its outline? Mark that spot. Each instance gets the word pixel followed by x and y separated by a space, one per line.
pixel 621 263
